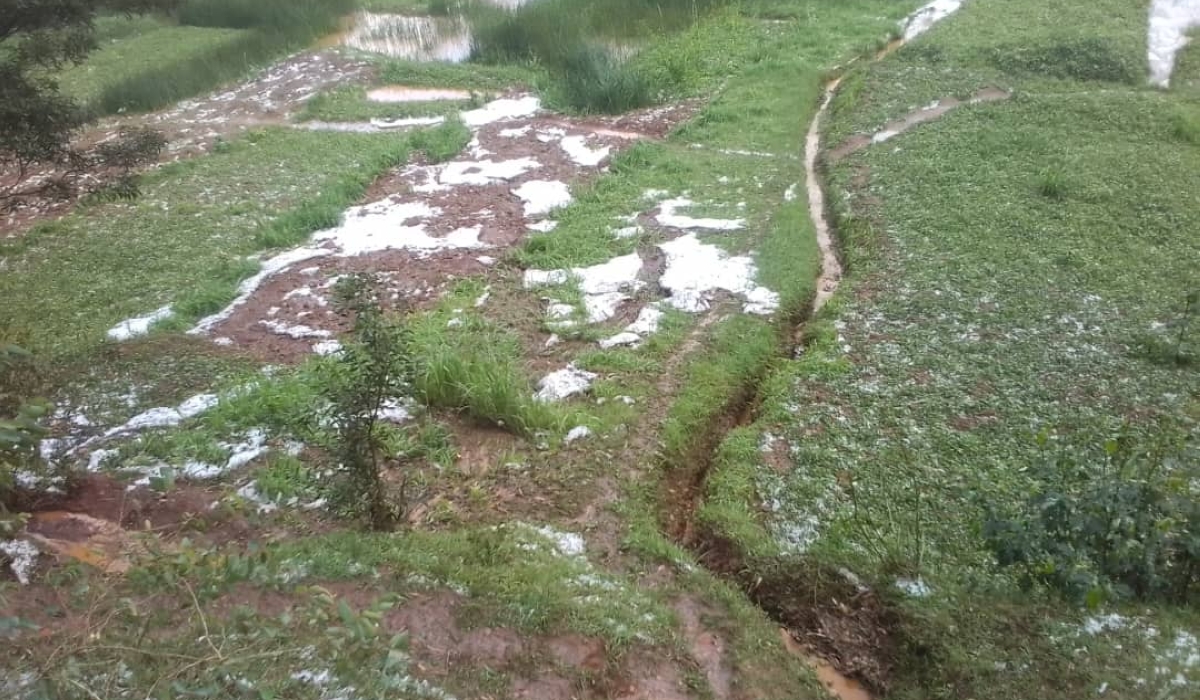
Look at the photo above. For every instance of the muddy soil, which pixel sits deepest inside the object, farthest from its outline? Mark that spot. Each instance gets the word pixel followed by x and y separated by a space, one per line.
pixel 466 214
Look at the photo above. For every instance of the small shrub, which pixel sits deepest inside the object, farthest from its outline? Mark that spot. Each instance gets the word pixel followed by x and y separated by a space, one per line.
pixel 1118 522
pixel 373 367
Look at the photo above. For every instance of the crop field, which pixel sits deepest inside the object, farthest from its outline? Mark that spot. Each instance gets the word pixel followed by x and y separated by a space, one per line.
pixel 713 350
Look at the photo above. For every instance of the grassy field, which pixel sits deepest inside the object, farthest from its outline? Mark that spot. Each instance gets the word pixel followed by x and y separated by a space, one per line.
pixel 1017 293
pixel 1014 269
pixel 131 47
pixel 191 231
pixel 147 62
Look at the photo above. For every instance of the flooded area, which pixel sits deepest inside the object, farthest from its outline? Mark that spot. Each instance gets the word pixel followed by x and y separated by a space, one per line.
pixel 445 39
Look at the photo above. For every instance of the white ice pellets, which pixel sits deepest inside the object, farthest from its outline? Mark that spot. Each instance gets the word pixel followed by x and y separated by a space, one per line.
pixel 923 19
pixel 604 286
pixel 1170 21
pixel 696 270
pixel 543 196
pixel 564 383
pixel 134 327
pixel 670 217
pixel 502 110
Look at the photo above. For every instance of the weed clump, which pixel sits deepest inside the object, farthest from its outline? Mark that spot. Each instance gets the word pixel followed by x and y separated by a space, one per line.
pixel 1052 184
pixel 1115 523
pixel 592 80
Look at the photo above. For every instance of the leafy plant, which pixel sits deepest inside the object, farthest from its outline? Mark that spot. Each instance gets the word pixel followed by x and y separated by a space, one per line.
pixel 1119 522
pixel 21 421
pixel 373 367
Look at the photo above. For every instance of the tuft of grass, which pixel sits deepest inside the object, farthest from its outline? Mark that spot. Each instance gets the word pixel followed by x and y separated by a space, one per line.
pixel 1052 183
pixel 571 39
pixel 593 80
pixel 465 363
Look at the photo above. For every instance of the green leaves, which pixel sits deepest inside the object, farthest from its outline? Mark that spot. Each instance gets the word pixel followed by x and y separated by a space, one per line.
pixel 1117 522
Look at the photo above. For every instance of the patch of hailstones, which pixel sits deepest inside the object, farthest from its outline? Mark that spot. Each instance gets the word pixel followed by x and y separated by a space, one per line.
pixel 386 224
pixel 1176 657
pixel 795 528
pixel 564 383
pixel 572 548
pixel 21 556
pixel 694 271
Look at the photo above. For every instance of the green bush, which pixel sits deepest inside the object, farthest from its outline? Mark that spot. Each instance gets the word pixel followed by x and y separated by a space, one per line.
pixel 1118 522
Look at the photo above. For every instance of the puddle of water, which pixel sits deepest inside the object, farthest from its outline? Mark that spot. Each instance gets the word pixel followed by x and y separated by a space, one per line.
pixel 834 682
pixel 89 540
pixel 403 93
pixel 413 38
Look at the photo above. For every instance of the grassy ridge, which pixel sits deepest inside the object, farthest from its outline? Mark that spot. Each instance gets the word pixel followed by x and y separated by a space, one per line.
pixel 1011 268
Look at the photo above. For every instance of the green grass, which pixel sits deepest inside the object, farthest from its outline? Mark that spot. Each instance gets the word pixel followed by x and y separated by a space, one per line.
pixel 350 104
pixel 465 76
pixel 217 41
pixel 1006 263
pixel 142 51
pixel 186 240
pixel 1006 45
pixel 474 367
